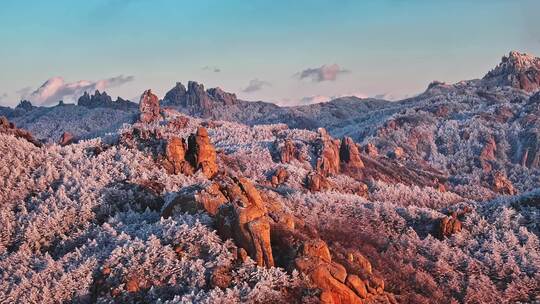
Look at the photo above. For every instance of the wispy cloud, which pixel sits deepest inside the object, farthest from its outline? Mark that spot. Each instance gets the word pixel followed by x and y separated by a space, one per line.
pixel 56 89
pixel 322 73
pixel 212 68
pixel 255 85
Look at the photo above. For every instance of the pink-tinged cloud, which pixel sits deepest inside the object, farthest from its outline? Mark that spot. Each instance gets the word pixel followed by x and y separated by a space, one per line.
pixel 323 73
pixel 56 89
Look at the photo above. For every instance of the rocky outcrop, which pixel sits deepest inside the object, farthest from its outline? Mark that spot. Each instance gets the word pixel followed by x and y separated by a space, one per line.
pixel 397 153
pixel 66 139
pixel 175 157
pixel 447 226
pixel 328 163
pixel 196 198
pixel 349 154
pixel 487 155
pixel 501 184
pixel 279 177
pixel 7 127
pixel 518 70
pixel 196 99
pixel 345 158
pixel 172 152
pixel 316 182
pixel 262 229
pixel 287 151
pixel 371 150
pixel 529 148
pixel 25 105
pixel 451 224
pixel 176 95
pixel 178 123
pixel 221 96
pixel 245 220
pixel 201 153
pixel 197 155
pixel 102 100
pixel 346 279
pixel 239 211
pixel 149 107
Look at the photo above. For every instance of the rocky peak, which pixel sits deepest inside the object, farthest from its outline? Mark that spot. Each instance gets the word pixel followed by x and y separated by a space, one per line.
pixel 103 100
pixel 224 97
pixel 197 99
pixel 25 105
pixel 149 107
pixel 518 70
pixel 92 101
pixel 329 148
pixel 177 94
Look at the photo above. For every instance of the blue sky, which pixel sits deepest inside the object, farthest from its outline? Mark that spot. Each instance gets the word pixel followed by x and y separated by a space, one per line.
pixel 393 47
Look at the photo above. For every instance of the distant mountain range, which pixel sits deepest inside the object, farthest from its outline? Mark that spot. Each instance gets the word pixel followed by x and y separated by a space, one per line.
pixel 98 113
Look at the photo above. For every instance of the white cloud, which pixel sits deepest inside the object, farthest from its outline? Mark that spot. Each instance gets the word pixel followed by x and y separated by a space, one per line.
pixel 323 73
pixel 56 89
pixel 255 85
